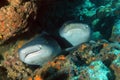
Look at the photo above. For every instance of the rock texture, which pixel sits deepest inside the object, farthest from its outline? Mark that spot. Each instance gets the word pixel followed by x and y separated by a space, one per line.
pixel 15 15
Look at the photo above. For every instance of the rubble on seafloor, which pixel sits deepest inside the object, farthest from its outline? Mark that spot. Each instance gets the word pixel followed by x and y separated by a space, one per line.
pixel 84 63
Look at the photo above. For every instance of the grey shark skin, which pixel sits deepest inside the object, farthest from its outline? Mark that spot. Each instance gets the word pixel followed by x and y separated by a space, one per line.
pixel 75 33
pixel 39 50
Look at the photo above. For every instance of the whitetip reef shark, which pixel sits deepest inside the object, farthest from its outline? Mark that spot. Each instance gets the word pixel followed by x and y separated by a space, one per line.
pixel 43 48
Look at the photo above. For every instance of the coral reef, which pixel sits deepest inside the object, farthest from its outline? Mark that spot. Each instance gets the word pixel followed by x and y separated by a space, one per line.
pixel 15 16
pixel 99 55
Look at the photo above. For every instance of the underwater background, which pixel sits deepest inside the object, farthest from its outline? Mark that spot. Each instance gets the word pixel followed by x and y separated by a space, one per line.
pixel 97 59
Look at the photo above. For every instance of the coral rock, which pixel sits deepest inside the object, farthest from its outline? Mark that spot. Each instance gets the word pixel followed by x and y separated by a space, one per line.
pixel 14 17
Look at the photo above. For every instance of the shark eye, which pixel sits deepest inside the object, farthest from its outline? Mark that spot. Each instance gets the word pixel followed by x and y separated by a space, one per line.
pixel 40 46
pixel 86 27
